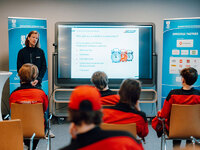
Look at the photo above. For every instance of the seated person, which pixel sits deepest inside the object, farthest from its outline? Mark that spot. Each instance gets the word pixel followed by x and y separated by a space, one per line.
pixel 27 93
pixel 85 117
pixel 108 97
pixel 186 95
pixel 127 110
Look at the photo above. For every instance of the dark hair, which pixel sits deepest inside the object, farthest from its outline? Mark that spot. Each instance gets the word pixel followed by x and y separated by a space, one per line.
pixel 88 117
pixel 99 79
pixel 190 75
pixel 29 35
pixel 28 72
pixel 130 91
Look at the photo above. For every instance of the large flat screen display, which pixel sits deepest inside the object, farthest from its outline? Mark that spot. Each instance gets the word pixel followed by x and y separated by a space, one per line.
pixel 121 50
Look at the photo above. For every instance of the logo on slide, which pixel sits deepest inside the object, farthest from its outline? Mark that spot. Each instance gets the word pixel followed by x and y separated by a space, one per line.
pixel 129 31
pixel 123 56
pixel 118 56
pixel 115 55
pixel 129 55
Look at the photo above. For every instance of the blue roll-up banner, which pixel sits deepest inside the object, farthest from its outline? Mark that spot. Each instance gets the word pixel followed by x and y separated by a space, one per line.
pixel 181 49
pixel 18 29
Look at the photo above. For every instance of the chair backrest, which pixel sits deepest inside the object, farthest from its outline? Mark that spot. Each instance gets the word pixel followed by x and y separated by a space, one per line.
pixel 130 127
pixel 184 121
pixel 32 118
pixel 11 135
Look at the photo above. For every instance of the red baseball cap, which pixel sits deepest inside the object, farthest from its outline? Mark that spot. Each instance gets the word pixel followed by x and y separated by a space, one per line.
pixel 85 97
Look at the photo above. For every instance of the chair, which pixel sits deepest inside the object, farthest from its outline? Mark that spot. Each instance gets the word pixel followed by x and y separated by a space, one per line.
pixel 130 127
pixel 32 117
pixel 11 135
pixel 184 123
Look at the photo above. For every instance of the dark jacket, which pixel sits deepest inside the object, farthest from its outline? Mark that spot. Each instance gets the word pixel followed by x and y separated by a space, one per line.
pixel 34 56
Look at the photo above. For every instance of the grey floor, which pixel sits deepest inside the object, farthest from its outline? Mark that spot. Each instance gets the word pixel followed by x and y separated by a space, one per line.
pixel 60 129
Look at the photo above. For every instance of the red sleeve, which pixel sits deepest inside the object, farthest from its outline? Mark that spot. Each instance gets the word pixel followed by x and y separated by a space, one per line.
pixel 110 100
pixel 45 102
pixel 142 129
pixel 13 98
pixel 165 111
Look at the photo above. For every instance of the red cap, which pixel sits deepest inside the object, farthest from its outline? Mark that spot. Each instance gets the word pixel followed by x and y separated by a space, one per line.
pixel 85 93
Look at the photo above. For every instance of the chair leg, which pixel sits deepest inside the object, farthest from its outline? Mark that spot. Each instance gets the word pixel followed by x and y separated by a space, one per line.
pixel 31 141
pixel 193 142
pixel 161 142
pixel 193 146
pixel 49 137
pixel 49 142
pixel 165 144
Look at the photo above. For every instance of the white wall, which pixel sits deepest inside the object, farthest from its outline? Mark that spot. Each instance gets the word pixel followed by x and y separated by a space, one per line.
pixel 91 10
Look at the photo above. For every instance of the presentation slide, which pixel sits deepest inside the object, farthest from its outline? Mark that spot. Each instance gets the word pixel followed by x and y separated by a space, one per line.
pixel 112 50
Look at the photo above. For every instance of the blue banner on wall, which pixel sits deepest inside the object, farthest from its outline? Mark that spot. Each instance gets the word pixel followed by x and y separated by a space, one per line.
pixel 18 29
pixel 181 49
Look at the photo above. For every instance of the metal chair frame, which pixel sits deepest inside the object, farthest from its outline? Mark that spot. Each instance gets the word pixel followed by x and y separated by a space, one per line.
pixel 165 137
pixel 39 110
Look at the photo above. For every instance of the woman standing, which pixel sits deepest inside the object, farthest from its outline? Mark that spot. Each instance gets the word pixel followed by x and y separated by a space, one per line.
pixel 34 55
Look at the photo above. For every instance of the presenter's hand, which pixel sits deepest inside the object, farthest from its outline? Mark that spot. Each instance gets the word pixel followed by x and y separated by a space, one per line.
pixel 34 83
pixel 73 130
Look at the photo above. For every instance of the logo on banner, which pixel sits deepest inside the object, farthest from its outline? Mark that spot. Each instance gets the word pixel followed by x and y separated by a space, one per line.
pixel 16 77
pixel 13 23
pixel 167 24
pixel 23 38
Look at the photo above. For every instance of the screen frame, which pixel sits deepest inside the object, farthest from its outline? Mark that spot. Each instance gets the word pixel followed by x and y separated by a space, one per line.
pixel 113 83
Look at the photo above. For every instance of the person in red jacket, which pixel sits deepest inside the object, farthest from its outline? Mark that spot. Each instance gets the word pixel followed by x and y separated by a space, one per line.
pixel 85 116
pixel 128 110
pixel 186 95
pixel 100 80
pixel 27 93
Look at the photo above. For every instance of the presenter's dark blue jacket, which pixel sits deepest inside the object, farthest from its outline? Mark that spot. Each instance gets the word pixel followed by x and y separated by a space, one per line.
pixel 34 56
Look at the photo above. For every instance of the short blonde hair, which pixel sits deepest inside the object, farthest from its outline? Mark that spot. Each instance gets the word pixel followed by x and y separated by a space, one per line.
pixel 28 72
